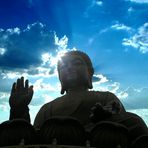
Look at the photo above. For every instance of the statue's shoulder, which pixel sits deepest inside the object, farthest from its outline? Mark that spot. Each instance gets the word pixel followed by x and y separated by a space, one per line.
pixel 102 95
pixel 56 100
pixel 49 105
pixel 98 93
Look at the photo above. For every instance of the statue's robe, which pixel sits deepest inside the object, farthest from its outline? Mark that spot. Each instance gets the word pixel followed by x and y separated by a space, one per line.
pixel 77 105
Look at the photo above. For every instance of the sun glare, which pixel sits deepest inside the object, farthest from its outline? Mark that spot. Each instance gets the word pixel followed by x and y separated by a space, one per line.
pixel 54 60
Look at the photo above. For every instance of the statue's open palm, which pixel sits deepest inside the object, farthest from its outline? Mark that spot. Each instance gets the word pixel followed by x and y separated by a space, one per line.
pixel 21 94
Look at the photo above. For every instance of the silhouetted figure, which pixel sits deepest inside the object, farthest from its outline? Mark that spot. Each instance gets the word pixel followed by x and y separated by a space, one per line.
pixel 107 134
pixel 17 132
pixel 63 131
pixel 75 73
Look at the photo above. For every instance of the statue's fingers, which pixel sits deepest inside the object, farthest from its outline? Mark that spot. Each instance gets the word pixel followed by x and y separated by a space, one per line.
pixel 26 85
pixel 98 106
pixel 30 91
pixel 13 89
pixel 30 94
pixel 22 83
pixel 18 84
pixel 93 108
pixel 109 109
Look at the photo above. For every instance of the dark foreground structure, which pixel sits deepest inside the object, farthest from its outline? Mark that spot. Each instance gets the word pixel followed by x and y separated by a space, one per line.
pixel 67 132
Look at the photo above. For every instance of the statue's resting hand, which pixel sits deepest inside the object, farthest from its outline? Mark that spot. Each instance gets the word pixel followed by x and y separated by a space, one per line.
pixel 21 95
pixel 99 112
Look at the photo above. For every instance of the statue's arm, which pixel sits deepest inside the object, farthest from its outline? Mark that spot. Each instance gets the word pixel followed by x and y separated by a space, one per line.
pixel 20 97
pixel 20 113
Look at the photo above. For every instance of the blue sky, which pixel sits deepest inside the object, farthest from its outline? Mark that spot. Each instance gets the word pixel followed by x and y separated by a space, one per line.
pixel 33 34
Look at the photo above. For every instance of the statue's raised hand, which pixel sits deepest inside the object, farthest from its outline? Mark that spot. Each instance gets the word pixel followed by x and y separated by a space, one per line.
pixel 21 94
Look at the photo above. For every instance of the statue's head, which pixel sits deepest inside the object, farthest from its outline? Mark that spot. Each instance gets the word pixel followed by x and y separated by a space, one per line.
pixel 75 71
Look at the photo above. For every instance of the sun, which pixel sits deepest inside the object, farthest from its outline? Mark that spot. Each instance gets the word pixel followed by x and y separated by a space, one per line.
pixel 52 60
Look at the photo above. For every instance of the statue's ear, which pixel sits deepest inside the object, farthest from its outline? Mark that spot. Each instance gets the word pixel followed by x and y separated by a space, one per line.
pixel 90 83
pixel 62 90
pixel 62 86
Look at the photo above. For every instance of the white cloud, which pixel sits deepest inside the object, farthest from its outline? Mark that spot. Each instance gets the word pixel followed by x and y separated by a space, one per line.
pixel 45 58
pixel 95 3
pixel 30 26
pixel 131 98
pixel 38 59
pixel 118 26
pixel 48 68
pixel 11 31
pixel 47 98
pixel 2 51
pixel 62 43
pixel 114 87
pixel 12 74
pixel 122 95
pixel 3 96
pixel 136 98
pixel 100 79
pixel 40 85
pixel 4 114
pixel 45 90
pixel 99 3
pixel 33 112
pixel 44 93
pixel 104 84
pixel 139 40
pixel 22 48
pixel 4 107
pixel 130 9
pixel 43 72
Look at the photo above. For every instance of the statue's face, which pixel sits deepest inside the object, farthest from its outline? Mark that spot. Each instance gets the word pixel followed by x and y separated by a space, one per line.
pixel 73 72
